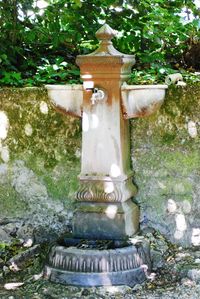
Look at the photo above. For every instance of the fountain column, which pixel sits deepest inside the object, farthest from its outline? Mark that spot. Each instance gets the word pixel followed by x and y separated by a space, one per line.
pixel 105 209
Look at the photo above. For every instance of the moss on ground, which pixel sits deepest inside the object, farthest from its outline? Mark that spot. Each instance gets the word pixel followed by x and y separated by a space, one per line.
pixel 10 202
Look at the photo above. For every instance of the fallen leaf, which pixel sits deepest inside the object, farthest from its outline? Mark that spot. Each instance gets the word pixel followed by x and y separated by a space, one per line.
pixel 28 243
pixel 37 276
pixel 13 285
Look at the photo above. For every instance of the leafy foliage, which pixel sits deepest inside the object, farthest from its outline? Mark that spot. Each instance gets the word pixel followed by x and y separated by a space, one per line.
pixel 39 45
pixel 9 250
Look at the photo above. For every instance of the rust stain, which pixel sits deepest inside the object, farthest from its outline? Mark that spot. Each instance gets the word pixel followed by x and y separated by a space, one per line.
pixel 64 112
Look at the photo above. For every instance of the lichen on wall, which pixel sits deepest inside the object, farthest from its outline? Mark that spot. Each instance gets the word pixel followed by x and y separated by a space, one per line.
pixel 39 155
pixel 40 161
pixel 166 160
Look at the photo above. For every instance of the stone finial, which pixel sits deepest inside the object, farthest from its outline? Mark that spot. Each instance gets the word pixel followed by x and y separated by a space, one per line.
pixel 106 50
pixel 105 33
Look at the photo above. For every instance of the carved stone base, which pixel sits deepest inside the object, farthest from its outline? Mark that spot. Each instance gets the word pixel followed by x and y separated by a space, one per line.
pixel 91 267
pixel 99 221
pixel 105 189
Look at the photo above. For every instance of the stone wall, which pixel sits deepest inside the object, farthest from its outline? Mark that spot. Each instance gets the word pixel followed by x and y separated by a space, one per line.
pixel 39 164
pixel 40 161
pixel 166 160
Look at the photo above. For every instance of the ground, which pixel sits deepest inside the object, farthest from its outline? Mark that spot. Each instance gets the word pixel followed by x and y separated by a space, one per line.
pixel 175 274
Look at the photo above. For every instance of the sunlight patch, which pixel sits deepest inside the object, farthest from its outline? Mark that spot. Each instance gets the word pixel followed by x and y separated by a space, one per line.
pixel 115 170
pixel 5 156
pixel 95 121
pixel 108 187
pixel 171 206
pixel 28 130
pixel 195 237
pixel 180 222
pixel 192 129
pixel 42 4
pixel 111 211
pixel 4 125
pixel 44 108
pixel 85 122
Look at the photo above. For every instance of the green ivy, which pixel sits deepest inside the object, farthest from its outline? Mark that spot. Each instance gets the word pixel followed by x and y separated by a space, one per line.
pixel 40 45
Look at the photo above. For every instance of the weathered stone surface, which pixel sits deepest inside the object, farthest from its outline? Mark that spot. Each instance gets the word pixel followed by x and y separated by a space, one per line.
pixel 22 257
pixel 25 232
pixel 4 237
pixel 166 161
pixel 3 172
pixel 12 227
pixel 194 274
pixel 157 259
pixel 26 183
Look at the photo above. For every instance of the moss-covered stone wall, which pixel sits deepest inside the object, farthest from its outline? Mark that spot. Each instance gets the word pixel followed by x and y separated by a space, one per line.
pixel 166 160
pixel 40 161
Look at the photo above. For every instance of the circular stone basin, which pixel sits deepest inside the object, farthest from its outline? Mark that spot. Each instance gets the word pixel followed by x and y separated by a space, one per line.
pixel 91 267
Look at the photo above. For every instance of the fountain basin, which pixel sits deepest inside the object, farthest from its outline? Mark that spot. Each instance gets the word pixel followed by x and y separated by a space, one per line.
pixel 141 100
pixel 92 267
pixel 66 98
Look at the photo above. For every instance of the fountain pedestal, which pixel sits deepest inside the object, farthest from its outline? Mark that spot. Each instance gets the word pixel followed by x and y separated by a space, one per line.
pixel 105 206
pixel 105 210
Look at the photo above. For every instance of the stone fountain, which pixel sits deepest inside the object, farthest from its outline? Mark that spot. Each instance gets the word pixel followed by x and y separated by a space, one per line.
pixel 106 211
